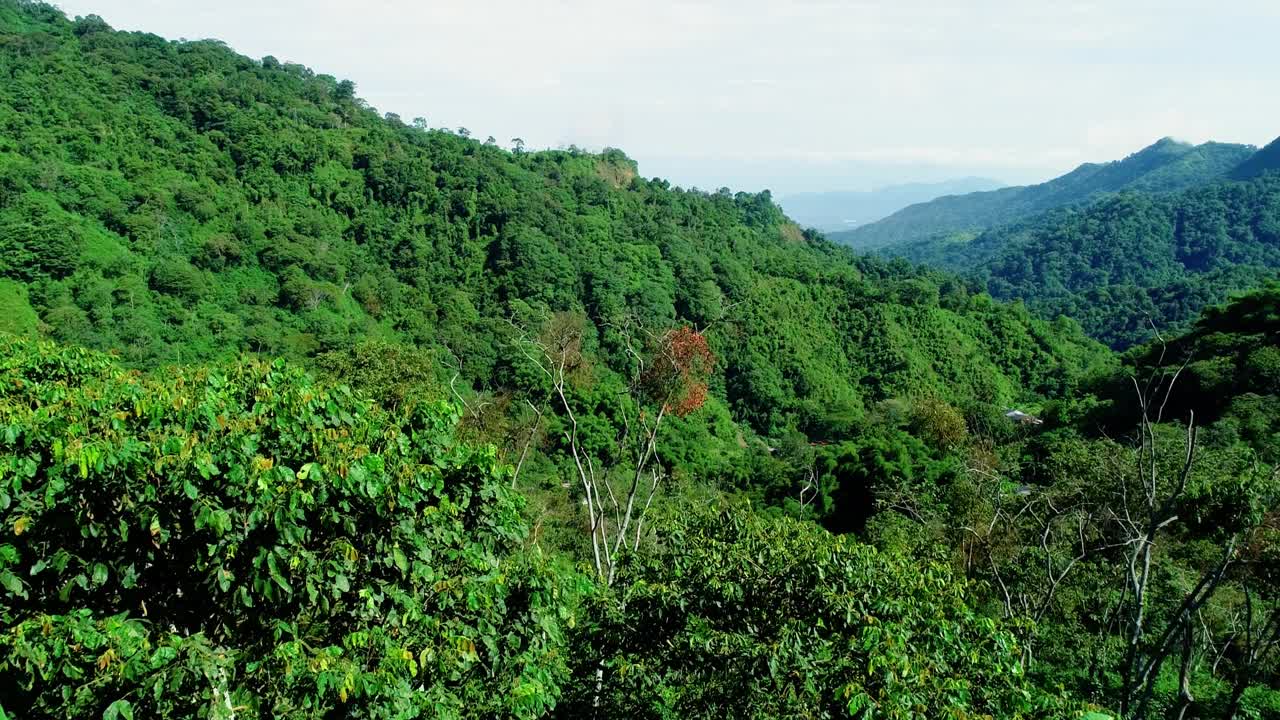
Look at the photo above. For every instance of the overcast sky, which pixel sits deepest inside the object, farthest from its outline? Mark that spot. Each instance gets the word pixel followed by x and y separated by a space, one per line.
pixel 792 95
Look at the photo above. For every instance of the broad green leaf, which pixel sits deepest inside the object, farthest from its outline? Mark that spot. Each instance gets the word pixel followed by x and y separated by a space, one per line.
pixel 122 709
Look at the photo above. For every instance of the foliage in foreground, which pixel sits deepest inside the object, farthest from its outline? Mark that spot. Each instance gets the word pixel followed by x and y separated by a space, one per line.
pixel 238 540
pixel 735 615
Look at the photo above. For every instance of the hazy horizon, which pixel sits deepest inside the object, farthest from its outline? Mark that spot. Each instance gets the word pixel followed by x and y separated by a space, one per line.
pixel 795 97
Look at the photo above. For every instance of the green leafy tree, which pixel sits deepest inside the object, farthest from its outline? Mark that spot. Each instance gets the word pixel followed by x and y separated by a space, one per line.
pixel 730 614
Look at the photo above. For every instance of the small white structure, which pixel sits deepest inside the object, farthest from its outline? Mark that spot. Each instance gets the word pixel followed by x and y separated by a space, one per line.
pixel 1023 418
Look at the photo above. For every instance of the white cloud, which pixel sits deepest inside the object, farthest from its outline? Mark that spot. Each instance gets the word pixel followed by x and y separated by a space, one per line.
pixel 987 86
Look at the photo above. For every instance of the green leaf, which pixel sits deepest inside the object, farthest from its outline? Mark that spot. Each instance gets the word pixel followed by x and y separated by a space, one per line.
pixel 118 709
pixel 274 571
pixel 11 583
pixel 357 473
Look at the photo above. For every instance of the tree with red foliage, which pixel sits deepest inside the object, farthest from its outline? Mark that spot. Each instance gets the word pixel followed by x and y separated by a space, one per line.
pixel 677 375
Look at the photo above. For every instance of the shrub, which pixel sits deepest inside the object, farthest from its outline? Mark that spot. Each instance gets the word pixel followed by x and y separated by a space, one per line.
pixel 241 537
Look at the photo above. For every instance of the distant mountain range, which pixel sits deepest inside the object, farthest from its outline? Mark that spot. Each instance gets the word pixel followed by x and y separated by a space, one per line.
pixel 1165 166
pixel 1130 260
pixel 842 210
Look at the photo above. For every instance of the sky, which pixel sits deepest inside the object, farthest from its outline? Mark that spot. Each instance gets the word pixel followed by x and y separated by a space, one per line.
pixel 789 95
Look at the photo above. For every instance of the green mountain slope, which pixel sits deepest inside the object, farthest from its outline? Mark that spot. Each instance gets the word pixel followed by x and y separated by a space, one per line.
pixel 1129 261
pixel 1232 371
pixel 1265 160
pixel 1165 166
pixel 174 201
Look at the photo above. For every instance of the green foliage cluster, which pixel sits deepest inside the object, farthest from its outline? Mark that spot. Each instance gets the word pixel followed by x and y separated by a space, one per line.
pixel 238 541
pixel 768 618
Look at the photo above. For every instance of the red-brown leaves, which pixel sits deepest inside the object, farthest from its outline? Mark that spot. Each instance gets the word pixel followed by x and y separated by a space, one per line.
pixel 677 377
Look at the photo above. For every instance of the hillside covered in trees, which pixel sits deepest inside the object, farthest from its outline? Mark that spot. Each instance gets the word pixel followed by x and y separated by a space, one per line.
pixel 177 202
pixel 1165 166
pixel 1265 160
pixel 306 411
pixel 1129 264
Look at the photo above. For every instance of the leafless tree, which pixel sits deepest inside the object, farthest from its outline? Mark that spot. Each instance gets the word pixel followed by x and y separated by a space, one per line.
pixel 1258 634
pixel 1146 507
pixel 316 295
pixel 809 490
pixel 534 428
pixel 618 489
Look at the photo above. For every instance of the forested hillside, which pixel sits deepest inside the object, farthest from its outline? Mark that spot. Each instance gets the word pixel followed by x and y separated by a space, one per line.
pixel 1265 160
pixel 1165 166
pixel 1132 536
pixel 1232 370
pixel 307 411
pixel 178 202
pixel 1129 264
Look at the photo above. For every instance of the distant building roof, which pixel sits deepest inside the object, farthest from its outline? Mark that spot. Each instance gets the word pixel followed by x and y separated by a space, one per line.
pixel 1020 417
